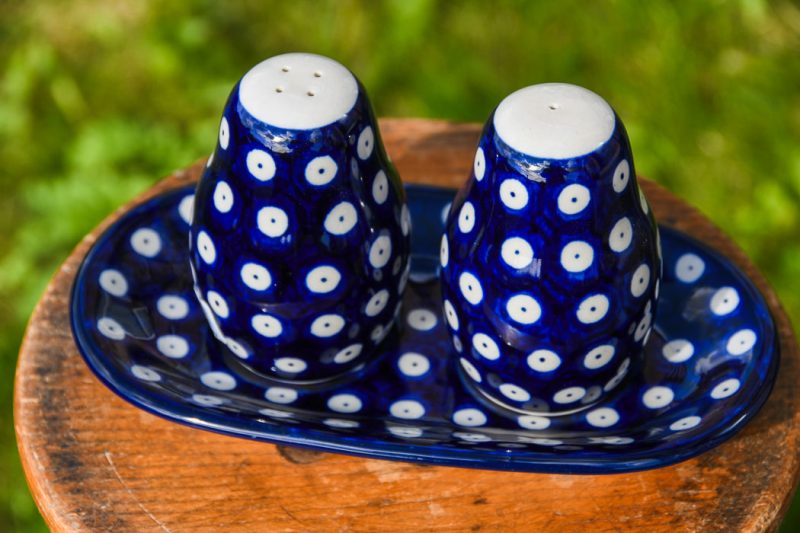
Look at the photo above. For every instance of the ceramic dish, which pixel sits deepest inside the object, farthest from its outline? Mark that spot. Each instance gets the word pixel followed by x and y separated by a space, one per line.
pixel 709 364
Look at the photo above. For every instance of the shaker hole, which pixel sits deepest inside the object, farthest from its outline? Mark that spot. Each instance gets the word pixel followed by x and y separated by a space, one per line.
pixel 553 106
pixel 285 69
pixel 318 74
pixel 310 93
pixel 278 89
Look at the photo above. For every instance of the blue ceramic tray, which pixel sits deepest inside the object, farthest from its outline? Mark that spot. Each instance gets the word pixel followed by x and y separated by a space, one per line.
pixel 706 371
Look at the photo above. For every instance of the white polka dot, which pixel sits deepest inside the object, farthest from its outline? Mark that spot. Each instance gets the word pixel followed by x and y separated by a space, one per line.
pixel 173 346
pixel 516 253
pixel 321 170
pixel 470 288
pixel 146 242
pixel 206 248
pixel 421 319
pixel 224 133
pixel 272 221
pixel 599 357
pixel 466 217
pixel 366 141
pixel 677 351
pixel 724 301
pixel 573 199
pixel 145 373
pixel 444 252
pixel 260 165
pixel 685 423
pixel 344 403
pixel 544 442
pixel 378 333
pixel 469 417
pixel 218 380
pixel 592 309
pixel 513 194
pixel 485 346
pixel 377 303
pixel 207 400
pixel 110 328
pixel 223 197
pixel 689 268
pixel 218 304
pixel 471 437
pixel 457 344
pixel 657 397
pixel 514 392
pixel 327 325
pixel 643 329
pixel 405 432
pixel 405 220
pixel 280 395
pixel 643 202
pixel 592 394
pixel 621 235
pixel 569 395
pixel 450 315
pixel 380 188
pixel 413 364
pixel 533 422
pixel 543 360
pixel 380 252
pixel 292 365
pixel 256 276
pixel 345 355
pixel 341 218
pixel 236 348
pixel 339 423
pixel 275 413
pixel 471 371
pixel 611 440
pixel 621 176
pixel 741 342
pixel 172 307
pixel 725 388
pixel 640 280
pixel 577 256
pixel 186 208
pixel 603 417
pixel 323 279
pixel 407 409
pixel 113 282
pixel 266 325
pixel 523 309
pixel 479 164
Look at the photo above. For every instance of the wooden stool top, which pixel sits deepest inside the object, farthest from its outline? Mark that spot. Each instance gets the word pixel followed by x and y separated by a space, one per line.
pixel 94 462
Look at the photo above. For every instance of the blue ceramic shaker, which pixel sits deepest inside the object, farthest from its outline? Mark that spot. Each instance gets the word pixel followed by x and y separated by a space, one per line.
pixel 550 258
pixel 300 236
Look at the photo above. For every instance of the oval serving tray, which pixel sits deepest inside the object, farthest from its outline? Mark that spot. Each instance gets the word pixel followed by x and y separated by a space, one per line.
pixel 705 374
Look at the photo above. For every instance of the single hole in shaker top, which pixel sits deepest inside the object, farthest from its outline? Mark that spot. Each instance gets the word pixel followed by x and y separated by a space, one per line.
pixel 277 90
pixel 318 74
pixel 285 69
pixel 554 106
pixel 310 93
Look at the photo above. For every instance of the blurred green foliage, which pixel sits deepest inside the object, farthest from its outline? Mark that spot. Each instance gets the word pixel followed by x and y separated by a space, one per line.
pixel 98 99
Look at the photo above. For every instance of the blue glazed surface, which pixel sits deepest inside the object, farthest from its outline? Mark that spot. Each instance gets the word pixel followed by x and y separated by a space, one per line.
pixel 410 404
pixel 300 242
pixel 550 270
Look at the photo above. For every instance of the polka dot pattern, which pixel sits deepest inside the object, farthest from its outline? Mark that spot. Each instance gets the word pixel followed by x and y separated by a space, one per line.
pixel 415 378
pixel 285 226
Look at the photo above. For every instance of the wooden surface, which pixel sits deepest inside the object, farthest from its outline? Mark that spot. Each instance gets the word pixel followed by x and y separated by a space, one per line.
pixel 95 462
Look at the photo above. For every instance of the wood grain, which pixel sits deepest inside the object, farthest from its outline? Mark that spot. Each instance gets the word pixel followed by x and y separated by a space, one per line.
pixel 95 462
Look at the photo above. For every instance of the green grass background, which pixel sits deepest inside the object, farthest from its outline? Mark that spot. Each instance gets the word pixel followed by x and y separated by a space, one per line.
pixel 100 98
